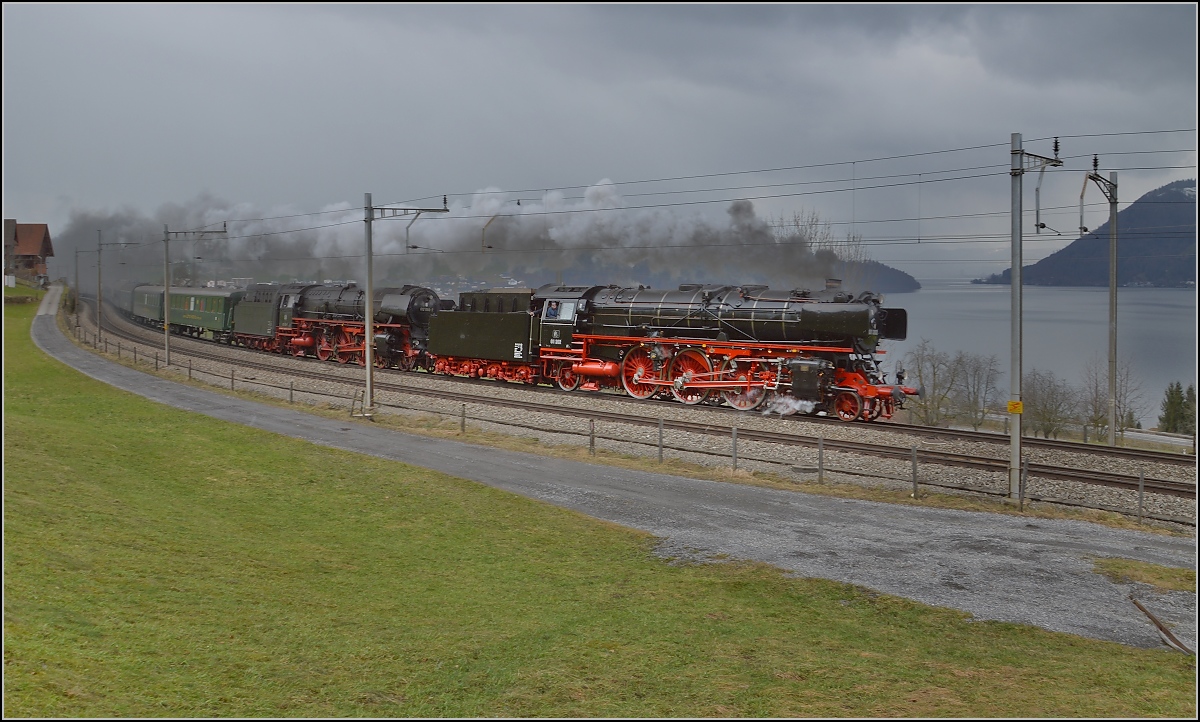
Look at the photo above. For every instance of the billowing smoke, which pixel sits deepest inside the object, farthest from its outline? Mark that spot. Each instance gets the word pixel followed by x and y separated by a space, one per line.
pixel 598 240
pixel 595 239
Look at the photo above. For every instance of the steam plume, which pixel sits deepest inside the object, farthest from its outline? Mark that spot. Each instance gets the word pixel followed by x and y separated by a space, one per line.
pixel 592 240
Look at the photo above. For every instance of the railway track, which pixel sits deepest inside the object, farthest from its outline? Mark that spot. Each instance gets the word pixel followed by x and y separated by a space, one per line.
pixel 934 434
pixel 786 437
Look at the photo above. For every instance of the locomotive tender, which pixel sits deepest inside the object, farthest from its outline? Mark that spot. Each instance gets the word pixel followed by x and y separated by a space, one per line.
pixel 806 351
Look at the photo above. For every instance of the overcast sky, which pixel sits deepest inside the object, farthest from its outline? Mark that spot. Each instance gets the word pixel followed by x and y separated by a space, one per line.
pixel 125 117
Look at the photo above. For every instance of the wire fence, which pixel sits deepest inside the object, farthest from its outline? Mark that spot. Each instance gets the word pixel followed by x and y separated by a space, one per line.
pixel 354 399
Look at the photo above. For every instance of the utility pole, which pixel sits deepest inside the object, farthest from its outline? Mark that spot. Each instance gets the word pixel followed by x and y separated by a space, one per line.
pixel 1109 189
pixel 98 286
pixel 99 279
pixel 190 235
pixel 370 214
pixel 1022 162
pixel 369 313
pixel 483 246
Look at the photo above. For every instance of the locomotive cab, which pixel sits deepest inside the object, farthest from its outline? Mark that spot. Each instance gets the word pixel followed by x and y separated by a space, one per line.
pixel 558 322
pixel 561 309
pixel 287 308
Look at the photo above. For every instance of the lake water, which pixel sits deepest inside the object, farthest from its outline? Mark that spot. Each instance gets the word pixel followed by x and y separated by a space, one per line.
pixel 1064 328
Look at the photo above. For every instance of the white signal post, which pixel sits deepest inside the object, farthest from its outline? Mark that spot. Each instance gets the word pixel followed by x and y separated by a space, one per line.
pixel 370 214
pixel 1022 163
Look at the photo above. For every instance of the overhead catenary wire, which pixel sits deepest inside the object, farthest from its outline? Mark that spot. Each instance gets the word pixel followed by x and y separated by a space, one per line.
pixel 676 246
pixel 921 178
pixel 820 165
pixel 778 169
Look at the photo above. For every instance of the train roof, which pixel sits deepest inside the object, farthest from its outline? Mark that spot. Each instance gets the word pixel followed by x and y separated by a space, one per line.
pixel 556 291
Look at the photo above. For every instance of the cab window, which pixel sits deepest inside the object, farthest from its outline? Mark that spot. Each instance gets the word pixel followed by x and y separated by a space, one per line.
pixel 559 311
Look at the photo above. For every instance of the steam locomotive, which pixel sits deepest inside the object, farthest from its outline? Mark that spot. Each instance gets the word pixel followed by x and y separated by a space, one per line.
pixel 801 351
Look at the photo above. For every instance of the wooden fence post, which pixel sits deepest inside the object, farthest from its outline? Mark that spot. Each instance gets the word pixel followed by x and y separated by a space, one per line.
pixel 660 440
pixel 914 471
pixel 1141 491
pixel 734 454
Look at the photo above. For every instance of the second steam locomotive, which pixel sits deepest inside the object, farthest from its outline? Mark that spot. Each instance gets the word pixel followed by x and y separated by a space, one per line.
pixel 803 351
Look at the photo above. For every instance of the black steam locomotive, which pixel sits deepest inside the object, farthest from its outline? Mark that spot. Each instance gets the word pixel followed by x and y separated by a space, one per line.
pixel 805 351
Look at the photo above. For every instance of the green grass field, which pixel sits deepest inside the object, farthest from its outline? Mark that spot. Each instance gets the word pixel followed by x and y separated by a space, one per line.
pixel 160 564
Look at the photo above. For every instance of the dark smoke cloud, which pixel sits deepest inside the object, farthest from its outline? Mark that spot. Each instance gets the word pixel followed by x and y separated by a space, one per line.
pixel 594 240
pixel 591 240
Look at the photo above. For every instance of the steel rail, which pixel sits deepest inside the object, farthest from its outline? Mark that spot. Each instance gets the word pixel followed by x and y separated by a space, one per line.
pixel 928 456
pixel 933 433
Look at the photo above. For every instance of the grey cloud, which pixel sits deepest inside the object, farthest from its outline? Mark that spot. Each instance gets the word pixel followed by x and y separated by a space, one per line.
pixel 1143 45
pixel 307 106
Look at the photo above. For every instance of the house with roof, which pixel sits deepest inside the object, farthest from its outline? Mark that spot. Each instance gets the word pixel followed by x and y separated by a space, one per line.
pixel 26 248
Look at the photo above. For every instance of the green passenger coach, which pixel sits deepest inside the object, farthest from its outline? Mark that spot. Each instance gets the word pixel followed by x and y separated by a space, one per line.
pixel 194 311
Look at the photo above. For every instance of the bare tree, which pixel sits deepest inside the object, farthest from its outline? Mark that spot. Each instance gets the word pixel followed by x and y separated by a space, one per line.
pixel 1094 398
pixel 846 255
pixel 1130 398
pixel 976 393
pixel 809 230
pixel 1050 403
pixel 937 374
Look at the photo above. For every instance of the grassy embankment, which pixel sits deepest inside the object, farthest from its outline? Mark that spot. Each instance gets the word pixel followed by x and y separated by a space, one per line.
pixel 22 293
pixel 164 564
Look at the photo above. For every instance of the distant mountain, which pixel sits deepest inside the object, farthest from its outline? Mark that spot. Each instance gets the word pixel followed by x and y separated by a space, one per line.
pixel 1156 246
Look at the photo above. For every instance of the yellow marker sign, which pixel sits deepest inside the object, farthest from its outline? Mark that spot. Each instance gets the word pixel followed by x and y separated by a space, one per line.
pixel 1016 407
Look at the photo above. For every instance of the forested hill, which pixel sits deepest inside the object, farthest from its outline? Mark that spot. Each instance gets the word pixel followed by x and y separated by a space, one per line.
pixel 1156 246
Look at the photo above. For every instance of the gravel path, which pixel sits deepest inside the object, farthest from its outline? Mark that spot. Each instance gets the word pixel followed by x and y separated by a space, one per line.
pixel 991 566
